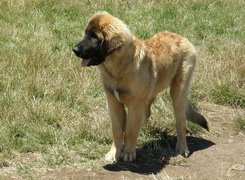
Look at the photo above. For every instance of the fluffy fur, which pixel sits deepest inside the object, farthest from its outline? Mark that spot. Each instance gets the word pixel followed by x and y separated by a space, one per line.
pixel 133 72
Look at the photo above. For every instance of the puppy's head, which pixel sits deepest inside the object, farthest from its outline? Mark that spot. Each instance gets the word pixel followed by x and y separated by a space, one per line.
pixel 91 49
pixel 104 35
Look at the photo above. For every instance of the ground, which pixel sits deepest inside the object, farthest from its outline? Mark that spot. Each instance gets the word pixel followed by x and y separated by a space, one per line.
pixel 218 154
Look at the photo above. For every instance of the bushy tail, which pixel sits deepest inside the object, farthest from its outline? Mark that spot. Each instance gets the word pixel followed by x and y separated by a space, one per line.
pixel 197 118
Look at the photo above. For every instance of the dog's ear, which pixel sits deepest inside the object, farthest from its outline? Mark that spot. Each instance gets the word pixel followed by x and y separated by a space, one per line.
pixel 113 44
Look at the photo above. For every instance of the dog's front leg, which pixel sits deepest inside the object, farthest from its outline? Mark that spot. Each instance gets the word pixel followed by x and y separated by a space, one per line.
pixel 118 117
pixel 135 118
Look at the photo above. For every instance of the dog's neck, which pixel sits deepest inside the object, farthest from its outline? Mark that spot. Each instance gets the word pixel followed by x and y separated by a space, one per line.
pixel 123 60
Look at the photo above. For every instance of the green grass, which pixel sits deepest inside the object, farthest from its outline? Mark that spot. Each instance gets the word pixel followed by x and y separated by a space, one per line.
pixel 227 96
pixel 24 171
pixel 50 105
pixel 239 123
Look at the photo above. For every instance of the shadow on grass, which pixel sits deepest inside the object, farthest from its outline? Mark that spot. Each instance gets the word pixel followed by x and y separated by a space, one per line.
pixel 153 156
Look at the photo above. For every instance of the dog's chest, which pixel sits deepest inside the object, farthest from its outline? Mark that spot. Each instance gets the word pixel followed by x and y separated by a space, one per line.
pixel 116 94
pixel 119 88
pixel 122 95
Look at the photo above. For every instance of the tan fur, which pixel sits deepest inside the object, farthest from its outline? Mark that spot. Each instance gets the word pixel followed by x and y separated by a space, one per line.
pixel 135 73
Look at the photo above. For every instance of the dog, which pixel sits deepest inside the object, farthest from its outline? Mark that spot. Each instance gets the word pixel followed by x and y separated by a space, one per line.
pixel 133 72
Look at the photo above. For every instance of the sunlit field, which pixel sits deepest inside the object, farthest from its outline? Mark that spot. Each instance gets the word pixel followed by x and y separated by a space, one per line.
pixel 52 107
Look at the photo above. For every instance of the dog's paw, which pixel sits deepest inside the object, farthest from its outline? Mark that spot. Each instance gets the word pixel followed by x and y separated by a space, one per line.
pixel 182 150
pixel 112 156
pixel 129 155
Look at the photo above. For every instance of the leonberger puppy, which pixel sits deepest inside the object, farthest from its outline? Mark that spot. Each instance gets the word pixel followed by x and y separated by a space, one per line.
pixel 133 72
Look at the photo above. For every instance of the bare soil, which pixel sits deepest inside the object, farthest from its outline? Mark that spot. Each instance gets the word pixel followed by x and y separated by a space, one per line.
pixel 218 154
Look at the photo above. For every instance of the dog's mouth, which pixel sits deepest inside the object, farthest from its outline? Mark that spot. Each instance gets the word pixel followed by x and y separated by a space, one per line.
pixel 88 60
pixel 85 62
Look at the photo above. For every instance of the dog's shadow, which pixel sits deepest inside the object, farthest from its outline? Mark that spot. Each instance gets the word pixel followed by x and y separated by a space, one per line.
pixel 153 156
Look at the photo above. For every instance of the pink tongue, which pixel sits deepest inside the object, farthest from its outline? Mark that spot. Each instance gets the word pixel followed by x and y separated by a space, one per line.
pixel 85 62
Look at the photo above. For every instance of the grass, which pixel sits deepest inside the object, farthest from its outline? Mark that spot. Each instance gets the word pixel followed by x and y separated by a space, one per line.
pixel 227 96
pixel 49 105
pixel 239 123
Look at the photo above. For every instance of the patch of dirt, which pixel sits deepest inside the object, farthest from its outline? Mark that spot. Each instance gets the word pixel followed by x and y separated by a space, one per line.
pixel 218 154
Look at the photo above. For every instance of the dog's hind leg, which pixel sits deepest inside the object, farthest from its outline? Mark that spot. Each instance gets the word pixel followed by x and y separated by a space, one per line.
pixel 179 92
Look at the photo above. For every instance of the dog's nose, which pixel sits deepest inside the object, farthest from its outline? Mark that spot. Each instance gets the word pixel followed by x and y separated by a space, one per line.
pixel 75 50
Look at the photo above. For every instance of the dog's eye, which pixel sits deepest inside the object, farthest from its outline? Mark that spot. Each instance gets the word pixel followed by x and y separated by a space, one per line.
pixel 93 35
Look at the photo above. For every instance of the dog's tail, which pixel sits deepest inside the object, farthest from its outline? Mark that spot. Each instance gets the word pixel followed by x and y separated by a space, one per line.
pixel 195 117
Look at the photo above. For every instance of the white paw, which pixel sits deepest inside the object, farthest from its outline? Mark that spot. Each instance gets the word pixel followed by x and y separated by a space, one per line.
pixel 112 156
